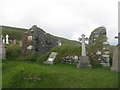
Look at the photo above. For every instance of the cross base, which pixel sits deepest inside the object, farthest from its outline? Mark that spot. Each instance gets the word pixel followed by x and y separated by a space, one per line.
pixel 84 62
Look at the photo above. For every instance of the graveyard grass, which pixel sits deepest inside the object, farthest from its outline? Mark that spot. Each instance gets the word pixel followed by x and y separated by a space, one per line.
pixel 56 76
pixel 16 68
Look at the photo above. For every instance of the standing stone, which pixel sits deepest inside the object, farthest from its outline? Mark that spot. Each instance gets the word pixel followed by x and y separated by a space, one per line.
pixel 116 57
pixel 7 42
pixel 83 62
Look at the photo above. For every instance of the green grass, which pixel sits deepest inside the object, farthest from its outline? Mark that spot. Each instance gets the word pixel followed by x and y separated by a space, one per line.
pixel 56 76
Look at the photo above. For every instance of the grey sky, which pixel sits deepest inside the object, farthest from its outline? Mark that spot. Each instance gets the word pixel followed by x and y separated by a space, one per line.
pixel 65 18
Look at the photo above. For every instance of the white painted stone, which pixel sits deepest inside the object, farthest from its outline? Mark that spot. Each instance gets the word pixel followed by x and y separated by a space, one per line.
pixel 30 38
pixel 76 57
pixel 107 56
pixel 106 52
pixel 98 52
pixel 99 59
pixel 30 47
pixel 105 43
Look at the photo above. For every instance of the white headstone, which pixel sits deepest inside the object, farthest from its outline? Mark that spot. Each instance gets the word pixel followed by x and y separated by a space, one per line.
pixel 83 44
pixel 7 42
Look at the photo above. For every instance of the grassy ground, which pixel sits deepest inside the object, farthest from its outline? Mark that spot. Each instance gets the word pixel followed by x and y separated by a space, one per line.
pixel 56 76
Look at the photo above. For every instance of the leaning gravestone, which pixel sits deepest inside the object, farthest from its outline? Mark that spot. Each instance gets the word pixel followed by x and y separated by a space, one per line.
pixel 83 62
pixel 51 58
pixel 116 57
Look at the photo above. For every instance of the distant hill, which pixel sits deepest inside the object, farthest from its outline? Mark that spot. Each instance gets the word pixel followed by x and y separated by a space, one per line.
pixel 13 32
pixel 18 33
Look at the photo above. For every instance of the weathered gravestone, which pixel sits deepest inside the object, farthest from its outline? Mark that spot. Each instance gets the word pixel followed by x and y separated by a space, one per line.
pixel 116 57
pixel 51 58
pixel 83 62
pixel 2 49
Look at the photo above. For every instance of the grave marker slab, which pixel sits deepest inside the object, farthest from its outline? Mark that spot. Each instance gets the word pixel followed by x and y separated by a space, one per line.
pixel 51 58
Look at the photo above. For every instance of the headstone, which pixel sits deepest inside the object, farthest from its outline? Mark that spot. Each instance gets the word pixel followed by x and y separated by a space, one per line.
pixel 7 42
pixel 116 57
pixel 51 58
pixel 2 50
pixel 83 62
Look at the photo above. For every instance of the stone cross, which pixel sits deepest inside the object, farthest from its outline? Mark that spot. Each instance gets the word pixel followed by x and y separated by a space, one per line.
pixel 7 39
pixel 118 38
pixel 83 44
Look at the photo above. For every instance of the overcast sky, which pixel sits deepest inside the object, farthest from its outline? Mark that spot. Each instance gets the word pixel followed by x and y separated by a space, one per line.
pixel 65 18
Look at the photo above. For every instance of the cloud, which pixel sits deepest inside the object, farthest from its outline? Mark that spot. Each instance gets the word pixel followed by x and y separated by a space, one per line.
pixel 65 18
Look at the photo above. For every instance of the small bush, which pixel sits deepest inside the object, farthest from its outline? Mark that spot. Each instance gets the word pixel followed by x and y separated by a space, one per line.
pixel 32 57
pixel 12 51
